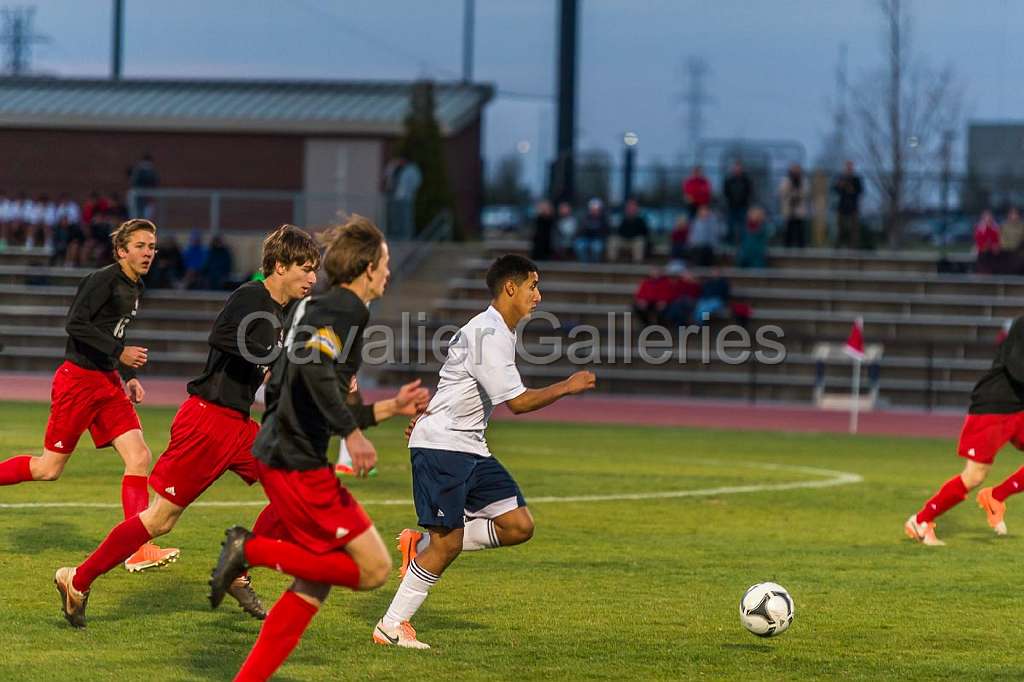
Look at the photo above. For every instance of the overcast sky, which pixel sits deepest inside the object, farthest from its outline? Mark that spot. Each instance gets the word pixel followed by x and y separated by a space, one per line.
pixel 772 62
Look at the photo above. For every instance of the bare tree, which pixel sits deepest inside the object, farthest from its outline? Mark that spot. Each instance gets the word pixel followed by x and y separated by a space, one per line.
pixel 900 115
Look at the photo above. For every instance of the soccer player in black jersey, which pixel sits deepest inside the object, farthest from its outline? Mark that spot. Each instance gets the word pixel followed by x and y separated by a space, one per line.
pixel 323 537
pixel 212 432
pixel 87 393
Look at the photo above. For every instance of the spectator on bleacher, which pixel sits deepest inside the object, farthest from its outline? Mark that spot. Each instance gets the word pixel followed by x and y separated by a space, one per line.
pixel 168 268
pixel 987 244
pixel 566 231
pixel 659 290
pixel 715 293
pixel 793 193
pixel 753 251
pixel 93 205
pixel 1011 234
pixel 683 290
pixel 696 191
pixel 632 233
pixel 543 231
pixel 48 222
pixel 33 216
pixel 6 219
pixel 848 187
pixel 195 258
pixel 144 177
pixel 592 234
pixel 739 194
pixel 705 238
pixel 679 238
pixel 219 265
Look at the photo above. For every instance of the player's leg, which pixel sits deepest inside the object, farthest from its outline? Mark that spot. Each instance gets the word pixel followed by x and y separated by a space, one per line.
pixel 496 515
pixel 993 499
pixel 22 468
pixel 281 632
pixel 440 483
pixel 980 439
pixel 137 458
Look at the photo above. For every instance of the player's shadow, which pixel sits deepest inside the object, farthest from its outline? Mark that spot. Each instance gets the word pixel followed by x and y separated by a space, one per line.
pixel 49 536
pixel 749 647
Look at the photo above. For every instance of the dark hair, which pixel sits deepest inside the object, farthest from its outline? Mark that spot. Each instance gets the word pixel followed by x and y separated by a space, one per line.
pixel 120 237
pixel 288 245
pixel 511 266
pixel 351 249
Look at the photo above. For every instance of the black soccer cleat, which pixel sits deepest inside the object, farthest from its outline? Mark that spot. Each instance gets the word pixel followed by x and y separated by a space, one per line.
pixel 230 565
pixel 241 590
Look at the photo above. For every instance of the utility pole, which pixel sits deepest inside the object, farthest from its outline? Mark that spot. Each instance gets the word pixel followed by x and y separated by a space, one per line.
pixel 696 99
pixel 563 185
pixel 468 26
pixel 947 174
pixel 18 36
pixel 117 46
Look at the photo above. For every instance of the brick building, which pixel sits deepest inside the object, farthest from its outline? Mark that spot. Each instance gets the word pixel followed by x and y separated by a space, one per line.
pixel 328 140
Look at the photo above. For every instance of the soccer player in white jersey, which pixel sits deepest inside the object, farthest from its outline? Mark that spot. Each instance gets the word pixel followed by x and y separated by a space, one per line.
pixel 464 497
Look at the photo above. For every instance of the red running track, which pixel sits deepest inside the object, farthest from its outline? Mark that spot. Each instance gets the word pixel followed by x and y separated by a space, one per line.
pixel 603 409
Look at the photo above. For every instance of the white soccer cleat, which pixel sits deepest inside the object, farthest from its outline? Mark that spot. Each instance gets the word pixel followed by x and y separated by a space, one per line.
pixel 402 635
pixel 922 532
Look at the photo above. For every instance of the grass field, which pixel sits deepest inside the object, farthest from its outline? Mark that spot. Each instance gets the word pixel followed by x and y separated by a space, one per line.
pixel 627 589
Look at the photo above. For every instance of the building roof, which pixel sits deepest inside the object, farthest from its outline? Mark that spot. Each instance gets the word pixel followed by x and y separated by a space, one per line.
pixel 265 106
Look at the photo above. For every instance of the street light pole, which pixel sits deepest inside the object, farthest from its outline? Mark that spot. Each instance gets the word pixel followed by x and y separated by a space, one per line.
pixel 629 141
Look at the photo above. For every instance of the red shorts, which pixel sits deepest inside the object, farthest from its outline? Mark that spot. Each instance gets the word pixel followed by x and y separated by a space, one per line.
pixel 312 508
pixel 83 399
pixel 984 434
pixel 206 441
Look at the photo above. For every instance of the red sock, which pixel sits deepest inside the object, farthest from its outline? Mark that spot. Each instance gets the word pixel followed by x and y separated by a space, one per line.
pixel 16 470
pixel 134 495
pixel 121 543
pixel 280 634
pixel 1011 486
pixel 950 494
pixel 333 568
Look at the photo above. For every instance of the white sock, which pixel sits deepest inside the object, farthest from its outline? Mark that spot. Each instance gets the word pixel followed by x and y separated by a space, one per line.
pixel 477 534
pixel 411 593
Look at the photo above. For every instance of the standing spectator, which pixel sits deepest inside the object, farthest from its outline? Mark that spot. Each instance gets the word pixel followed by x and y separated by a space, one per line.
pixel 848 187
pixel 7 209
pixel 793 193
pixel 32 216
pixel 633 231
pixel 218 266
pixel 543 231
pixel 1011 242
pixel 986 243
pixel 566 231
pixel 696 191
pixel 401 182
pixel 739 194
pixel 753 252
pixel 143 177
pixel 195 260
pixel 593 233
pixel 705 237
pixel 679 239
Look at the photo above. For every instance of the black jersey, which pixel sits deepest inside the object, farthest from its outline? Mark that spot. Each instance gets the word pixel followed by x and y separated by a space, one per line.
pixel 243 343
pixel 107 300
pixel 1001 389
pixel 308 396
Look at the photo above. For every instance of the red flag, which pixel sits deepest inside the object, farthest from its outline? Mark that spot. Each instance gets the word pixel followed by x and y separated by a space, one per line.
pixel 855 341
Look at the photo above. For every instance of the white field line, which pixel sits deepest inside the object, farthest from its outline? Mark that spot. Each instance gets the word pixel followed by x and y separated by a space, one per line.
pixel 831 478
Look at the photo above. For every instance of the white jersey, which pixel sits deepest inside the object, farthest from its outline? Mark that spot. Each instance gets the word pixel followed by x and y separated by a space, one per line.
pixel 478 375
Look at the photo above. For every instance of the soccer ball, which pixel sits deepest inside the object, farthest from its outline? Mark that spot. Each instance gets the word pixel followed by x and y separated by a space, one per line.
pixel 766 609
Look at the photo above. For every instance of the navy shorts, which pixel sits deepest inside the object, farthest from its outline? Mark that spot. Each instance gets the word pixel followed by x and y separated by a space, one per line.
pixel 450 487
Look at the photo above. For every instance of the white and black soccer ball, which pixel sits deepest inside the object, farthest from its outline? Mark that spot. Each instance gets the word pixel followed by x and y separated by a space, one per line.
pixel 766 609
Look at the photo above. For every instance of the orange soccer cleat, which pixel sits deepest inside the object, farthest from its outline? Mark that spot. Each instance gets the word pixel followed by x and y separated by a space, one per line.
pixel 994 509
pixel 922 532
pixel 408 540
pixel 150 556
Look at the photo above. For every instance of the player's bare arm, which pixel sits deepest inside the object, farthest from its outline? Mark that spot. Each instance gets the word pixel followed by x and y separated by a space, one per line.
pixel 537 398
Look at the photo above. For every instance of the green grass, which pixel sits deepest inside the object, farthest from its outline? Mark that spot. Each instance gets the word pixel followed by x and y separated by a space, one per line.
pixel 605 590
